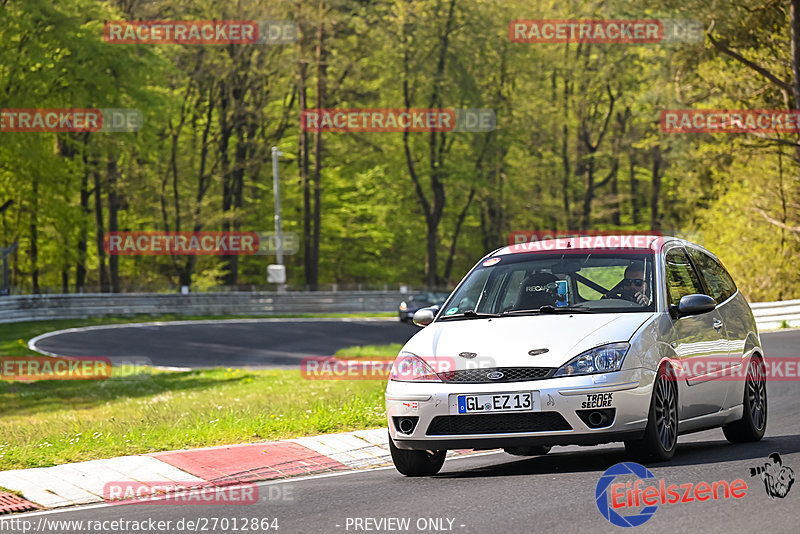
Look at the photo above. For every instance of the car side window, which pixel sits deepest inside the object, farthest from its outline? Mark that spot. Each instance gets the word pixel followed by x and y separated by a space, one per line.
pixel 682 279
pixel 717 279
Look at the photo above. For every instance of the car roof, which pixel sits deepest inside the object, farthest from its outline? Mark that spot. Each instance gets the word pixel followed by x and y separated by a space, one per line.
pixel 629 243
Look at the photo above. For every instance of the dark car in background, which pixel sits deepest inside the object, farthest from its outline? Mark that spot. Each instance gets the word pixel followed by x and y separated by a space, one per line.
pixel 415 301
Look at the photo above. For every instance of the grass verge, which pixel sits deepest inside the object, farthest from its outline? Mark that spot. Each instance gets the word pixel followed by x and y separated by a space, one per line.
pixel 369 352
pixel 53 422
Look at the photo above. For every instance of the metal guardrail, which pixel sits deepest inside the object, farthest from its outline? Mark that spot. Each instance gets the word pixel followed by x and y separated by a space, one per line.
pixel 768 315
pixel 774 315
pixel 68 306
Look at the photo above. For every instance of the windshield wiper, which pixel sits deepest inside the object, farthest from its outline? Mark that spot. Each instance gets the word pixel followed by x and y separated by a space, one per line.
pixel 472 314
pixel 552 309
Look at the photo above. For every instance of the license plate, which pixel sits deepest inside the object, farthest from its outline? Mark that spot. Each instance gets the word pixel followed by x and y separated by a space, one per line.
pixel 520 401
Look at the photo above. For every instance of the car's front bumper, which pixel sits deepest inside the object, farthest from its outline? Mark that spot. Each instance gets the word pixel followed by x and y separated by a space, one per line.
pixel 630 397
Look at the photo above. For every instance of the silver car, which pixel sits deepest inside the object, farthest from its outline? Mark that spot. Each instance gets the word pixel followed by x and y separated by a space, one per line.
pixel 578 341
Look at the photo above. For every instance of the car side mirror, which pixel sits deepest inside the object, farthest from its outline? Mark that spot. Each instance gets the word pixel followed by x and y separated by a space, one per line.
pixel 693 305
pixel 424 316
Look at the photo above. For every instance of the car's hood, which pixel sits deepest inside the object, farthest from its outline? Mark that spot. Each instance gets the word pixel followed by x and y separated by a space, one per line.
pixel 506 341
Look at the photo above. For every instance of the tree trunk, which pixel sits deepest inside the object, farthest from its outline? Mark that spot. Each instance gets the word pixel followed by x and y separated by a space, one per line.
pixel 322 71
pixel 634 188
pixel 589 193
pixel 67 147
pixel 565 179
pixel 587 162
pixel 65 276
pixel 228 189
pixel 303 159
pixel 615 211
pixel 83 232
pixel 239 169
pixel 621 124
pixel 655 191
pixel 185 277
pixel 784 218
pixel 794 12
pixel 100 233
pixel 432 239
pixel 113 222
pixel 448 268
pixel 34 227
pixel 436 145
pixel 492 214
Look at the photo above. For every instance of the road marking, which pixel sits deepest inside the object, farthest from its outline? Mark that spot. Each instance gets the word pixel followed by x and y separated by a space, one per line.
pixel 32 343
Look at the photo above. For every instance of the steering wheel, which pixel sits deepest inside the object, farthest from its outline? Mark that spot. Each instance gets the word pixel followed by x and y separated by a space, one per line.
pixel 622 294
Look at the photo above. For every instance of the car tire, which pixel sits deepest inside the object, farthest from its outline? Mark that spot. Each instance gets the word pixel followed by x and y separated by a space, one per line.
pixel 416 463
pixel 753 424
pixel 661 434
pixel 532 450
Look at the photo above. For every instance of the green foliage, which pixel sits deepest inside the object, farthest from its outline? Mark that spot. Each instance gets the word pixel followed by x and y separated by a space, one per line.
pixel 577 143
pixel 383 352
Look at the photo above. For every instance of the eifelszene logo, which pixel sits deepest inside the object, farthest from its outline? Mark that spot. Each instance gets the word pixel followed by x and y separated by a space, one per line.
pixel 609 509
pixel 631 495
pixel 778 478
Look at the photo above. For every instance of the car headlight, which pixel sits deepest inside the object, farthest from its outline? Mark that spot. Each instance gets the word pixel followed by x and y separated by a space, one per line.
pixel 602 359
pixel 403 306
pixel 409 367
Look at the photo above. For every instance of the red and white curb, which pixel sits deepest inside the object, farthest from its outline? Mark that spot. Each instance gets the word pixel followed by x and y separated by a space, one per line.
pixel 363 448
pixel 84 482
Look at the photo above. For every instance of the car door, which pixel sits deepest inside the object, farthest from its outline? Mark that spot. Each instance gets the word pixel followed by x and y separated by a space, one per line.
pixel 734 310
pixel 698 340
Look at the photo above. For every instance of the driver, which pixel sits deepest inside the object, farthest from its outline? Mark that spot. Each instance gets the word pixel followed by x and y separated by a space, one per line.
pixel 634 286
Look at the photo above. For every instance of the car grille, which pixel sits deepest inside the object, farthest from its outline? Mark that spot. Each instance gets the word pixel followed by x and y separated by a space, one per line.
pixel 510 374
pixel 444 425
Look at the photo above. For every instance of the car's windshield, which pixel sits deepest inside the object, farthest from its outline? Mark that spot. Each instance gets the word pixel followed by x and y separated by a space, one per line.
pixel 518 283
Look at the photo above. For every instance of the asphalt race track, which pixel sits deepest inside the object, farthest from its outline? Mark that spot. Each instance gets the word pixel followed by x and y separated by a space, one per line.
pixel 498 493
pixel 251 343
